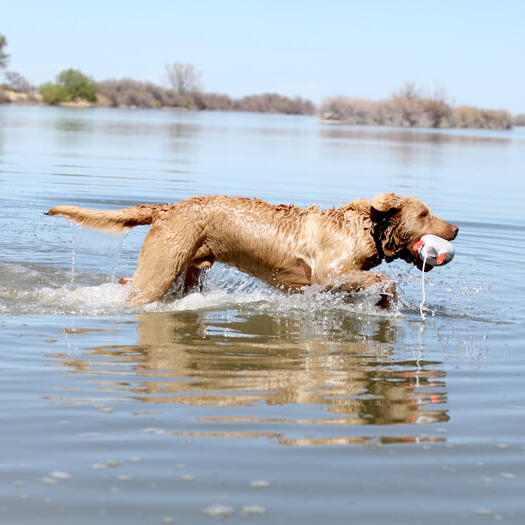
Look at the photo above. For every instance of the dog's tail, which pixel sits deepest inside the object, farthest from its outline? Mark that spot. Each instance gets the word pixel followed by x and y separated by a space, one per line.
pixel 115 221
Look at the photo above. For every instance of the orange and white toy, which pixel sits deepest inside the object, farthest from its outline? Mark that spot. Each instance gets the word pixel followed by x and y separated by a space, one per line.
pixel 433 250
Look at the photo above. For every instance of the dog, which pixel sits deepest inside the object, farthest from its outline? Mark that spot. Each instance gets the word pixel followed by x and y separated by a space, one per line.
pixel 287 246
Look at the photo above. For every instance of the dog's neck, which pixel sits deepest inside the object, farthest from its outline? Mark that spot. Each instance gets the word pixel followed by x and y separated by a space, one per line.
pixel 377 235
pixel 381 235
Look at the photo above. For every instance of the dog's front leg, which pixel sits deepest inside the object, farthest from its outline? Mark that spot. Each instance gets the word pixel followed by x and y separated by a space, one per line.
pixel 356 281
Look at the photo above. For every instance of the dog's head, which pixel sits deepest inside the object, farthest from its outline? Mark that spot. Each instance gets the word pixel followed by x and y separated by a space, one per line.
pixel 399 222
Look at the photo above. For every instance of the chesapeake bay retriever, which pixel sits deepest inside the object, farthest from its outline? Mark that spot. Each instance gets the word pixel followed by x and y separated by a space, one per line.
pixel 286 246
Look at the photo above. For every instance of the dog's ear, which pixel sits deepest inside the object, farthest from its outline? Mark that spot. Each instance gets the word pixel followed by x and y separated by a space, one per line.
pixel 383 206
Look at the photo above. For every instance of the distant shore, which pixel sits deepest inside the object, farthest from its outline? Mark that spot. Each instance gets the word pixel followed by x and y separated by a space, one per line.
pixel 398 111
pixel 414 112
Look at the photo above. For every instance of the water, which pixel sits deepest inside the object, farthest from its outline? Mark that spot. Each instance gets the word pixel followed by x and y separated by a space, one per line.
pixel 240 401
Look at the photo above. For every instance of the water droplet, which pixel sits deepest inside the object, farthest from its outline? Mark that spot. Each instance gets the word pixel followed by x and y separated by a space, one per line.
pixel 49 481
pixel 153 430
pixel 58 474
pixel 483 512
pixel 88 435
pixel 253 509
pixel 218 511
pixel 259 483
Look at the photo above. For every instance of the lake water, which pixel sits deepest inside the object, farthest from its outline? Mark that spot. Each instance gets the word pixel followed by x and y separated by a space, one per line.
pixel 241 401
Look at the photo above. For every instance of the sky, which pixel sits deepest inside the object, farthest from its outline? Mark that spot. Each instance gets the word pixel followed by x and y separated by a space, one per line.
pixel 474 51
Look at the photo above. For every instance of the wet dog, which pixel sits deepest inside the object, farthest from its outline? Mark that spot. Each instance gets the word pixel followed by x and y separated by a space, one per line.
pixel 286 246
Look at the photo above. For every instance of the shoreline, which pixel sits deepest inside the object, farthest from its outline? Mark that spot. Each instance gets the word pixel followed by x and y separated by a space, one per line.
pixel 508 122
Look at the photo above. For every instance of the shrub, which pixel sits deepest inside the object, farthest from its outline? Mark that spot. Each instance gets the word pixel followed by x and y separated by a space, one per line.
pixel 71 85
pixel 274 103
pixel 4 99
pixel 407 108
pixel 53 93
pixel 127 92
pixel 519 120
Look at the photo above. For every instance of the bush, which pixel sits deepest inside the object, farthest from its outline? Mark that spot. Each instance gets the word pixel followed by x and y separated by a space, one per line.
pixel 71 85
pixel 519 120
pixel 53 93
pixel 4 99
pixel 274 103
pixel 408 108
pixel 127 92
pixel 470 117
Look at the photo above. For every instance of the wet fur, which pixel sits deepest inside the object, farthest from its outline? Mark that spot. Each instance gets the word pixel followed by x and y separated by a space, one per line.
pixel 286 246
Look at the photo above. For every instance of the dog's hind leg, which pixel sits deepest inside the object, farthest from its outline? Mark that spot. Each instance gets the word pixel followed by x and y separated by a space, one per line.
pixel 196 271
pixel 193 279
pixel 164 255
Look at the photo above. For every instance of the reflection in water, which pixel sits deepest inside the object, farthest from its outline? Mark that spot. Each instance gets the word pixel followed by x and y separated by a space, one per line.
pixel 78 127
pixel 408 147
pixel 195 359
pixel 74 124
pixel 416 136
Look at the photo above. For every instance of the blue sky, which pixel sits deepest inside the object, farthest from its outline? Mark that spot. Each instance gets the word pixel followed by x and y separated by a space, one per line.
pixel 474 50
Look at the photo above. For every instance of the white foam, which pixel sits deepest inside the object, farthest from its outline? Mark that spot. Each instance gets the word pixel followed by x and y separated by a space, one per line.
pixel 224 288
pixel 103 298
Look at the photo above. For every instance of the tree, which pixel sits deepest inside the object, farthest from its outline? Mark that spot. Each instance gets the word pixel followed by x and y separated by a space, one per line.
pixel 18 82
pixel 408 91
pixel 4 57
pixel 408 103
pixel 184 78
pixel 71 84
pixel 78 85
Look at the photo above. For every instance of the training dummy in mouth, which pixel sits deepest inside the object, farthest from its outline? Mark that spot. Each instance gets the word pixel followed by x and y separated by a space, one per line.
pixel 434 251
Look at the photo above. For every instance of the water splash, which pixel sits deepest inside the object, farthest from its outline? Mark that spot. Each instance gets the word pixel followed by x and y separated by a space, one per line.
pixel 43 290
pixel 37 289
pixel 117 256
pixel 74 230
pixel 423 298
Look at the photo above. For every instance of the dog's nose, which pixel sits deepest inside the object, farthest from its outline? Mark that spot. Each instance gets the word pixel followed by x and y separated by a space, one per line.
pixel 455 230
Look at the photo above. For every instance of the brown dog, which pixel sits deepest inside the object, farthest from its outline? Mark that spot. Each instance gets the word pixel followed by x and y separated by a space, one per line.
pixel 286 246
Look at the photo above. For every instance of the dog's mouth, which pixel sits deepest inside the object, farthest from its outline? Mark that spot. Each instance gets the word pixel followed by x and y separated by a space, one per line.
pixel 421 266
pixel 413 257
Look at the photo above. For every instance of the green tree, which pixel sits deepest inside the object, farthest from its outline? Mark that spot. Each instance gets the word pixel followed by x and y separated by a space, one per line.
pixel 71 85
pixel 4 57
pixel 77 85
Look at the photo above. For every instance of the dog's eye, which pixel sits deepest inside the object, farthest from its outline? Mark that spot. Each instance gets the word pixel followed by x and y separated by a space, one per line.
pixel 423 214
